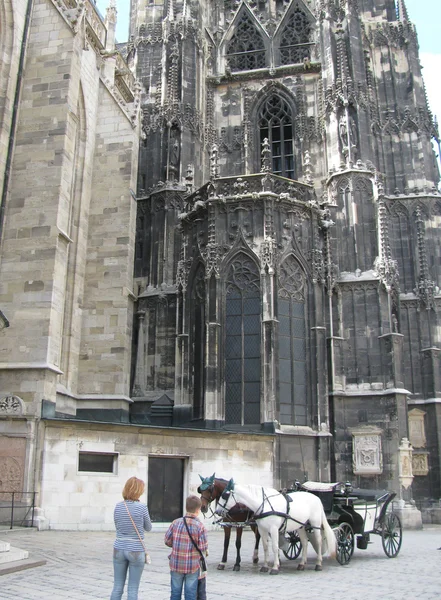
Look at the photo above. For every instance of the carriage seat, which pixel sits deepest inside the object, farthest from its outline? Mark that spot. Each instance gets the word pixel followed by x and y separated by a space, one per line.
pixel 317 486
pixel 325 491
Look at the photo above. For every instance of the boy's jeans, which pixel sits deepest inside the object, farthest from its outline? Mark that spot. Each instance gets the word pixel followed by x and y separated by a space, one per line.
pixel 134 562
pixel 187 580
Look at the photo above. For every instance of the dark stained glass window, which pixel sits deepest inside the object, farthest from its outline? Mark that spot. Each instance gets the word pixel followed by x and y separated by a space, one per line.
pixel 401 246
pixel 276 124
pixel 292 344
pixel 295 43
pixel 242 343
pixel 246 50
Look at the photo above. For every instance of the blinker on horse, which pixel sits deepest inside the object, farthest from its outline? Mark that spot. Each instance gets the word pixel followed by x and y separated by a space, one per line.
pixel 211 490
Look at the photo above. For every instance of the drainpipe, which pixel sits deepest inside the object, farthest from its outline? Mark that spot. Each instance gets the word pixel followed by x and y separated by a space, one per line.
pixel 24 43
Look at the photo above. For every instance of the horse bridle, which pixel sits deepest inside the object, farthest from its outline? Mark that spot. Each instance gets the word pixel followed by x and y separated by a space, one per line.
pixel 225 496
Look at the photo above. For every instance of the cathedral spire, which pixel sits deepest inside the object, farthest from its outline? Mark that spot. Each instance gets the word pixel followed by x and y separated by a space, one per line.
pixel 171 10
pixel 110 22
pixel 402 14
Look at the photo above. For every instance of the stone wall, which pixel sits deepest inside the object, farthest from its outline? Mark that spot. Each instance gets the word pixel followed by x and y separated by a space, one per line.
pixel 69 214
pixel 85 501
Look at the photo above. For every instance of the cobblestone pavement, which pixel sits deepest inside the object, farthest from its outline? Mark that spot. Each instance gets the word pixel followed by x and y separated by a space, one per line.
pixel 79 566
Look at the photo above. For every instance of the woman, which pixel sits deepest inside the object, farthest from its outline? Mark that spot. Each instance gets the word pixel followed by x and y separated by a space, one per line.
pixel 128 551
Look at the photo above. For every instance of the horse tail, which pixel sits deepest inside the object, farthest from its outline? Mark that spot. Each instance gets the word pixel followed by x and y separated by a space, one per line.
pixel 329 534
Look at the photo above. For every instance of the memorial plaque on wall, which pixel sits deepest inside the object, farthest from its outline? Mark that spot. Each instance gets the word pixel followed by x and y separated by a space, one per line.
pixel 367 457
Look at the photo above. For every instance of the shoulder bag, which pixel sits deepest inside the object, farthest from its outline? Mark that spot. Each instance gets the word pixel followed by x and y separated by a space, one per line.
pixel 148 560
pixel 203 563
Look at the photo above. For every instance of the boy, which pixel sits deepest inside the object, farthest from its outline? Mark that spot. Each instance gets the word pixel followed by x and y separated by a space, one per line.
pixel 184 558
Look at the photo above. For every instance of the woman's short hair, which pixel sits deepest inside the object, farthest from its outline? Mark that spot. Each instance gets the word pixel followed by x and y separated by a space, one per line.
pixel 133 489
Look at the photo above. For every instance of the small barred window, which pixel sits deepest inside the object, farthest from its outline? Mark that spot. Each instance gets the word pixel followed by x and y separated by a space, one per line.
pixel 246 50
pixel 295 43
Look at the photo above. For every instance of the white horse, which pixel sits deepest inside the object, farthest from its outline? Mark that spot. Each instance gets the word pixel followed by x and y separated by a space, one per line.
pixel 274 513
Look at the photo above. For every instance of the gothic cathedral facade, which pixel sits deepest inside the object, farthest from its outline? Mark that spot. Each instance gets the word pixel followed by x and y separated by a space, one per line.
pixel 219 252
pixel 287 255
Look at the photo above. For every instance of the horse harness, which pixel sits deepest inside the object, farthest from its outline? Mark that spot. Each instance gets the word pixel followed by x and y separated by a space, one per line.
pixel 249 519
pixel 275 513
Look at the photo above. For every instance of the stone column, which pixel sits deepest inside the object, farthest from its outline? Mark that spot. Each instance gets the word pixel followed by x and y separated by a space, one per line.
pixel 431 373
pixel 140 382
pixel 214 389
pixel 392 359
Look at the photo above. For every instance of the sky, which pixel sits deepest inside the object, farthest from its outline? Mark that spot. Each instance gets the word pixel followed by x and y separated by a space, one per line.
pixel 425 14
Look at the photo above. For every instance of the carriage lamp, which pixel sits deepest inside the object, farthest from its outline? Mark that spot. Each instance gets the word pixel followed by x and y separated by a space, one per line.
pixel 348 487
pixel 3 321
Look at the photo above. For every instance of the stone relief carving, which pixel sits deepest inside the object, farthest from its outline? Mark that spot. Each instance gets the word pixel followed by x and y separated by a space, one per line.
pixel 420 464
pixel 10 477
pixel 367 455
pixel 11 405
pixel 405 474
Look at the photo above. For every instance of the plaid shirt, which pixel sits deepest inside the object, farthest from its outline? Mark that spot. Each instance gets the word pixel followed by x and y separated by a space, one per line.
pixel 184 557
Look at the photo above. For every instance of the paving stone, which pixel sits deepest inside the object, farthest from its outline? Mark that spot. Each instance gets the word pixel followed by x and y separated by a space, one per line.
pixel 79 566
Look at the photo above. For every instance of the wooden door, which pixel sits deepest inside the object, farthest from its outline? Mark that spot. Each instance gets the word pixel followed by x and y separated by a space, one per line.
pixel 165 489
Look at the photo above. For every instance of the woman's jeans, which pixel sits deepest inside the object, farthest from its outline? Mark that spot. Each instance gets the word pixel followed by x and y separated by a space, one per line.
pixel 187 580
pixel 134 562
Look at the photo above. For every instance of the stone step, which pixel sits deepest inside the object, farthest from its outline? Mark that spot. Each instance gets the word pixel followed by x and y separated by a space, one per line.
pixel 5 546
pixel 20 565
pixel 13 555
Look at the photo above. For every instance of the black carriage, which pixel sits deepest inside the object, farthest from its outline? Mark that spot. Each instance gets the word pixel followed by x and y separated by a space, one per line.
pixel 352 513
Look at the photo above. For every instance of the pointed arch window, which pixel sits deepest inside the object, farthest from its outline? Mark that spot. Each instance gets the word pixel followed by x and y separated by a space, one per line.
pixel 293 392
pixel 246 50
pixel 401 246
pixel 242 343
pixel 295 41
pixel 276 124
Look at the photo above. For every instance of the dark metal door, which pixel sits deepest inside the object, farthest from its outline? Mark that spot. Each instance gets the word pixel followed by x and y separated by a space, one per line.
pixel 166 481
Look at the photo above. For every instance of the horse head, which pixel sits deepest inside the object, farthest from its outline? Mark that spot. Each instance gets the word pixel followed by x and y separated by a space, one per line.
pixel 206 490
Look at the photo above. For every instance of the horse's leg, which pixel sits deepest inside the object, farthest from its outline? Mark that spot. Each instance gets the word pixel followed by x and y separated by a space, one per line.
pixel 227 534
pixel 238 545
pixel 317 536
pixel 275 542
pixel 264 537
pixel 304 539
pixel 256 547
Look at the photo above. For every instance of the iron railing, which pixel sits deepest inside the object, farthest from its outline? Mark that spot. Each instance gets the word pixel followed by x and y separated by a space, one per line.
pixel 21 506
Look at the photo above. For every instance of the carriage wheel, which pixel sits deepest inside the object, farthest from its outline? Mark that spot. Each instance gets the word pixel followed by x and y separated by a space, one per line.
pixel 345 543
pixel 295 546
pixel 391 535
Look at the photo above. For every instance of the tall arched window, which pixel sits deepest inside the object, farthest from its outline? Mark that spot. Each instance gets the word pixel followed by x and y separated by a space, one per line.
pixel 401 246
pixel 197 341
pixel 295 41
pixel 276 124
pixel 242 343
pixel 292 293
pixel 246 50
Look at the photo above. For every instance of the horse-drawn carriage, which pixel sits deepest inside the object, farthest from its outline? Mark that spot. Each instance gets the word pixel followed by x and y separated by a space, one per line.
pixel 297 517
pixel 352 513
